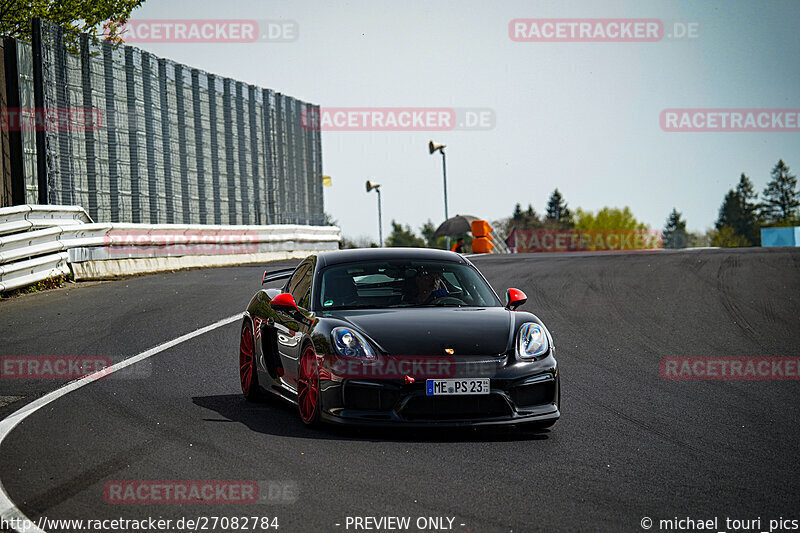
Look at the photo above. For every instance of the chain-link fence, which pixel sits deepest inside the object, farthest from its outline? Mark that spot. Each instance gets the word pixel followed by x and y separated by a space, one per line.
pixel 138 138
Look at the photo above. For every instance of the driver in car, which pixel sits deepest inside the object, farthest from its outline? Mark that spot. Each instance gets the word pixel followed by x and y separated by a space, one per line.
pixel 429 287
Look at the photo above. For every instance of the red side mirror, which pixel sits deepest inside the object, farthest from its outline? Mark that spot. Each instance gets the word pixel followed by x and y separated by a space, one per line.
pixel 515 298
pixel 285 300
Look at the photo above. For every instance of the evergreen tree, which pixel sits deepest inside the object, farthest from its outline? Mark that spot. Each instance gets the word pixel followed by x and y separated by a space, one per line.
pixel 739 211
pixel 781 197
pixel 730 219
pixel 517 216
pixel 531 219
pixel 557 210
pixel 730 212
pixel 528 219
pixel 749 223
pixel 675 235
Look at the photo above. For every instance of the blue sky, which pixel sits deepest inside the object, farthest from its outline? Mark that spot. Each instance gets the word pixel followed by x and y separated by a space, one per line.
pixel 582 117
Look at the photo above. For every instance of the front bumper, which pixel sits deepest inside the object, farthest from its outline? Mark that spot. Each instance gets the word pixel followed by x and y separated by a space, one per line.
pixel 520 393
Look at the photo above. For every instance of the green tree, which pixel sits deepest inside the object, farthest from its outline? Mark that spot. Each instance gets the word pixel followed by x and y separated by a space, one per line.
pixel 358 242
pixel 781 197
pixel 608 218
pixel 726 237
pixel 528 219
pixel 750 222
pixel 739 211
pixel 675 235
pixel 517 215
pixel 427 230
pixel 403 236
pixel 728 220
pixel 730 212
pixel 94 17
pixel 557 210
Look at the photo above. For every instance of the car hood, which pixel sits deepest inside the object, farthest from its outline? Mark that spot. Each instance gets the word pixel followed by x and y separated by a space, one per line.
pixel 430 330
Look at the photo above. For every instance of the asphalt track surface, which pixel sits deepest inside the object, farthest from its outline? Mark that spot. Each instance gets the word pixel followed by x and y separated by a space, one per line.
pixel 629 444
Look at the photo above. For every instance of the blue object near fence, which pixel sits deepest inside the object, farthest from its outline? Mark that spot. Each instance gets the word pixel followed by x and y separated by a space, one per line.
pixel 780 236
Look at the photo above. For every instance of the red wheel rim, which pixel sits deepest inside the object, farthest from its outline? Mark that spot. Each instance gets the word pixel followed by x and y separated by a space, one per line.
pixel 308 385
pixel 246 354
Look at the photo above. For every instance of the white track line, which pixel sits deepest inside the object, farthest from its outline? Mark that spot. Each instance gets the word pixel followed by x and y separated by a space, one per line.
pixel 8 510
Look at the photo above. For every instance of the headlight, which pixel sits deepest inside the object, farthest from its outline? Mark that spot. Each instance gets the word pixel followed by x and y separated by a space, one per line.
pixel 348 342
pixel 531 341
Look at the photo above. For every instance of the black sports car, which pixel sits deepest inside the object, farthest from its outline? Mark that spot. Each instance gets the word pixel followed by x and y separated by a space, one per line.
pixel 398 337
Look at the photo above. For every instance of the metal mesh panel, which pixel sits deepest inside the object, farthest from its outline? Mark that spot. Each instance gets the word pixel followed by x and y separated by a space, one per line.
pixel 97 153
pixel 172 145
pixel 281 147
pixel 241 135
pixel 201 134
pixel 268 143
pixel 25 66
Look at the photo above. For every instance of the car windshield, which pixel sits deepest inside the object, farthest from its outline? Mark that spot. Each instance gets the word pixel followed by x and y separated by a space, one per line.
pixel 380 284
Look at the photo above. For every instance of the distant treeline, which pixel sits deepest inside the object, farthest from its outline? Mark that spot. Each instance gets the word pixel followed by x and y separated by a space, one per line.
pixel 740 219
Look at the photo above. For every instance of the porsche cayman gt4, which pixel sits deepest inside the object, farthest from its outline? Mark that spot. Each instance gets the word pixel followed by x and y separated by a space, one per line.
pixel 391 337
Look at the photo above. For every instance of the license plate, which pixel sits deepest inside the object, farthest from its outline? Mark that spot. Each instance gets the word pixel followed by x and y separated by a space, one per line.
pixel 437 387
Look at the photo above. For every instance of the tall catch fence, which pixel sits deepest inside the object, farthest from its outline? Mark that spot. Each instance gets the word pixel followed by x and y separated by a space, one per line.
pixel 137 138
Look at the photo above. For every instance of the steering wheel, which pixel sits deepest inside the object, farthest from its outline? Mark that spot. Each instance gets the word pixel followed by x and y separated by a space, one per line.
pixel 448 299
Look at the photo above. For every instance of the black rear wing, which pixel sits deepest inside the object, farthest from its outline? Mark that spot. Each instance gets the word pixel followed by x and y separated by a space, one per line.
pixel 275 275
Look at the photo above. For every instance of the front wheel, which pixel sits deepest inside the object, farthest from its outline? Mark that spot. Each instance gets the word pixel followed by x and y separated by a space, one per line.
pixel 247 363
pixel 308 387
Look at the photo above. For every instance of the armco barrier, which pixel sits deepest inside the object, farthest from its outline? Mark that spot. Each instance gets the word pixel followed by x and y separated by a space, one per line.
pixel 27 217
pixel 39 242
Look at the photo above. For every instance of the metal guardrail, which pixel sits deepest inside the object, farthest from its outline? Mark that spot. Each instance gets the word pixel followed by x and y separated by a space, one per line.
pixel 43 241
pixel 26 217
pixel 24 273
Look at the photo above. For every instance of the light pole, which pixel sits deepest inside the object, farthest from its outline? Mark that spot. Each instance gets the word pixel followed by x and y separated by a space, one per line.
pixel 433 147
pixel 377 186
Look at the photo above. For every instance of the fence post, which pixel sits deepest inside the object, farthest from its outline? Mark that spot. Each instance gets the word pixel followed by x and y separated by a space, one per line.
pixel 39 107
pixel 86 88
pixel 16 165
